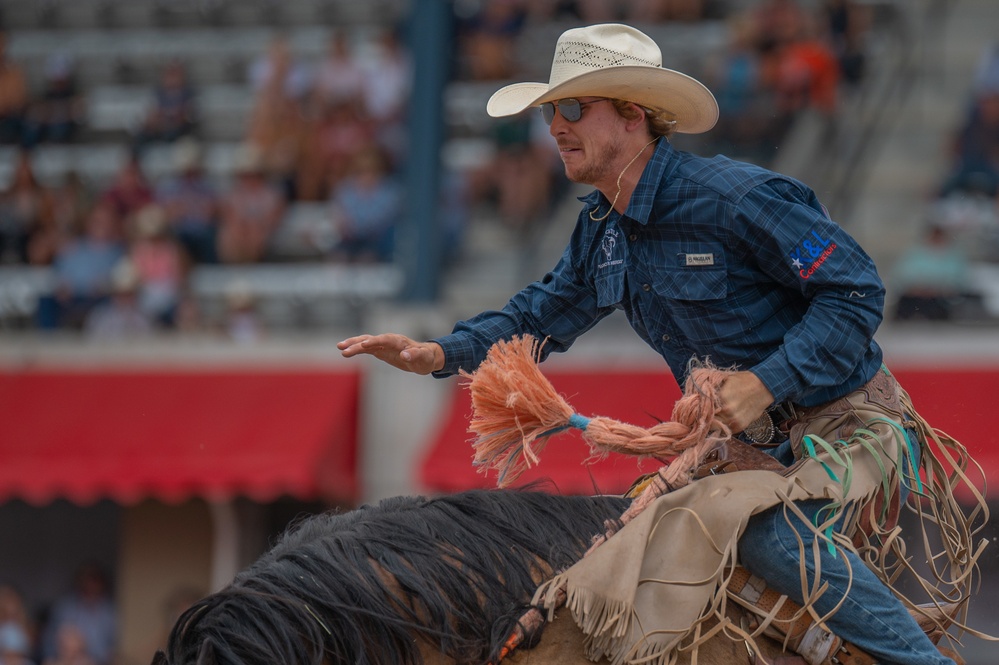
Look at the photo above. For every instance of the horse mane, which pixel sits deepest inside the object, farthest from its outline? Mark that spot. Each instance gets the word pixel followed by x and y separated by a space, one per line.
pixel 357 587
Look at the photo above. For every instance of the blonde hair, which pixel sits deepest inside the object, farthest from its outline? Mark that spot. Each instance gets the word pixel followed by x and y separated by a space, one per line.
pixel 659 122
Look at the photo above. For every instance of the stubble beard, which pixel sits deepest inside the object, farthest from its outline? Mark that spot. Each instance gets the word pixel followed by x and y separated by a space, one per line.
pixel 598 170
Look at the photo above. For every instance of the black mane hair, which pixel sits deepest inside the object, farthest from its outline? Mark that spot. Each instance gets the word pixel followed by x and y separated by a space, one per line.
pixel 357 587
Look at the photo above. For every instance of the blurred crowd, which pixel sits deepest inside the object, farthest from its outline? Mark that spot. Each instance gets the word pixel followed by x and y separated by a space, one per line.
pixel 78 628
pixel 331 131
pixel 933 279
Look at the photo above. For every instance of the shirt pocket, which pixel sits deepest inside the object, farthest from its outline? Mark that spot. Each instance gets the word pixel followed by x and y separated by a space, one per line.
pixel 692 284
pixel 610 289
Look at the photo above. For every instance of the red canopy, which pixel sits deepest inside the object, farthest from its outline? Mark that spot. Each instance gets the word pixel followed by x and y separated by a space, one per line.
pixel 175 433
pixel 958 401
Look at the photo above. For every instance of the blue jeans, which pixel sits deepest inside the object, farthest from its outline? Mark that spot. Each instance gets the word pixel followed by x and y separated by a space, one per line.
pixel 871 617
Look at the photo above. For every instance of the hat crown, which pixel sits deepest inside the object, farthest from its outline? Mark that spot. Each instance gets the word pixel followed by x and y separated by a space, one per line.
pixel 581 50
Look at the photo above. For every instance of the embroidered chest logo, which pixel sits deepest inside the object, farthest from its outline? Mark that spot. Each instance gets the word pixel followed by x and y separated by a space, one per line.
pixel 607 246
pixel 811 253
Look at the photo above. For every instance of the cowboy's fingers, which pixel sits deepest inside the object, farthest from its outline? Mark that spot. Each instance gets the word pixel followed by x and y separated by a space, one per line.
pixel 372 344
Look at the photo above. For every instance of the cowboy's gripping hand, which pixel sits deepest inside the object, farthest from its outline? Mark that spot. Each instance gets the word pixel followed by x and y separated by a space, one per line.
pixel 397 350
pixel 743 398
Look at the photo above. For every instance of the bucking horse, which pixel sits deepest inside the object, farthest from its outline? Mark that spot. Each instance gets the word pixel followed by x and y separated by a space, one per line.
pixel 410 581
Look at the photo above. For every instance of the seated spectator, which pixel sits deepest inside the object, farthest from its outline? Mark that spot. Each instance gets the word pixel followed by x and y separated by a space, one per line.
pixel 191 203
pixel 56 114
pixel 523 175
pixel 25 211
pixel 975 149
pixel 665 10
pixel 16 628
pixel 70 203
pixel 71 648
pixel 14 96
pixel 118 318
pixel 83 268
pixel 278 67
pixel 242 324
pixel 342 131
pixel 367 205
pixel 277 125
pixel 804 72
pixel 160 266
pixel 735 76
pixel 849 23
pixel 251 211
pixel 488 37
pixel 931 278
pixel 173 109
pixel 129 192
pixel 87 607
pixel 338 75
pixel 387 86
pixel 15 647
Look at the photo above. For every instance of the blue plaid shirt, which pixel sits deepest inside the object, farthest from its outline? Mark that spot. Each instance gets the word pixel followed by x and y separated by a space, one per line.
pixel 713 259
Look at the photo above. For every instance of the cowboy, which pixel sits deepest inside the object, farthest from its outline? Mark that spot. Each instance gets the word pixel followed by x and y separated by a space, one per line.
pixel 708 258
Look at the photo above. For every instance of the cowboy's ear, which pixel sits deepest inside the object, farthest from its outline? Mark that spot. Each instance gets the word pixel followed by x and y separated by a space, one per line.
pixel 639 118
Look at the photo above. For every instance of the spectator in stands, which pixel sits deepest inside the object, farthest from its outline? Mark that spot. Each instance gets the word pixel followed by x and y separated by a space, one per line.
pixel 25 210
pixel 83 268
pixel 488 38
pixel 16 628
pixel 388 84
pixel 251 211
pixel 524 171
pixel 801 68
pixel 367 205
pixel 848 24
pixel 71 648
pixel 15 647
pixel 342 132
pixel 931 278
pixel 119 318
pixel 735 77
pixel 585 11
pixel 242 324
pixel 14 96
pixel 160 265
pixel 90 609
pixel 70 202
pixel 129 192
pixel 173 111
pixel 57 113
pixel 651 11
pixel 276 125
pixel 339 75
pixel 975 148
pixel 279 67
pixel 191 203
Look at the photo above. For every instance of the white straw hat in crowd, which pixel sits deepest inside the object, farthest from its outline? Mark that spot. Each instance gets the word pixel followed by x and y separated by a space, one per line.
pixel 619 62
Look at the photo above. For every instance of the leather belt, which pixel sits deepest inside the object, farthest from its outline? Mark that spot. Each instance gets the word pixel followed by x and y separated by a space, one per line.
pixel 772 428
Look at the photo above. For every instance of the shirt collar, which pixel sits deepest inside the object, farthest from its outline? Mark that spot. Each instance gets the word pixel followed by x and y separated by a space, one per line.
pixel 642 199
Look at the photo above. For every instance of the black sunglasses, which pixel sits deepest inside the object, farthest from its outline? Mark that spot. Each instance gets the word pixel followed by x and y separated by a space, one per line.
pixel 570 108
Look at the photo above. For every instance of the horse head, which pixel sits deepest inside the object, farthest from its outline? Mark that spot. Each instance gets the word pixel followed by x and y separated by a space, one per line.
pixel 379 584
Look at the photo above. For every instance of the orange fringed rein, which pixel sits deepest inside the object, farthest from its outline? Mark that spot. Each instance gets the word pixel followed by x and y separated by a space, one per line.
pixel 516 410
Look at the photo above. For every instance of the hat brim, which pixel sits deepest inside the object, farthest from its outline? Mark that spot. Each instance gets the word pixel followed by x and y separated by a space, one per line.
pixel 691 103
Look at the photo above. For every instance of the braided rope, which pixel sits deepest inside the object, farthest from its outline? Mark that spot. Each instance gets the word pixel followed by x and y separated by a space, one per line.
pixel 516 410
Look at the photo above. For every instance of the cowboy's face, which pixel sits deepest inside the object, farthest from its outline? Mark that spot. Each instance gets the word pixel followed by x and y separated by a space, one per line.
pixel 590 147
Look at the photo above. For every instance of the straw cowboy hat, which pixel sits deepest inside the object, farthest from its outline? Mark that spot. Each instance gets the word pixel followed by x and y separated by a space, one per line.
pixel 616 61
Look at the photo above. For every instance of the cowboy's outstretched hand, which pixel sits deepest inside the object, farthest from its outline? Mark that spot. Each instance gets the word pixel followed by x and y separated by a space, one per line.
pixel 397 350
pixel 743 398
